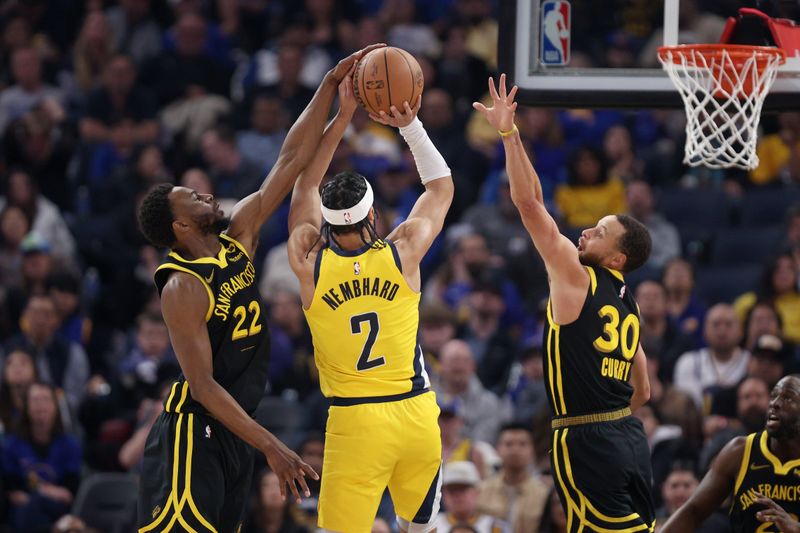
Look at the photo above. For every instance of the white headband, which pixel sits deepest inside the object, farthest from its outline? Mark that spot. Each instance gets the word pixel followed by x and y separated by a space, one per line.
pixel 351 215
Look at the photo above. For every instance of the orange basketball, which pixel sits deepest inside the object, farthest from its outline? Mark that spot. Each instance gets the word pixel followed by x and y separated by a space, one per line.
pixel 387 77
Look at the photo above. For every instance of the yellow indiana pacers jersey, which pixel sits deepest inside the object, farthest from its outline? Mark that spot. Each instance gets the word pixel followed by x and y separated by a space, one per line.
pixel 363 321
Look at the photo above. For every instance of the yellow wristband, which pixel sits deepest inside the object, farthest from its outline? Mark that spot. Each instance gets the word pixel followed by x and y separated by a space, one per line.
pixel 507 133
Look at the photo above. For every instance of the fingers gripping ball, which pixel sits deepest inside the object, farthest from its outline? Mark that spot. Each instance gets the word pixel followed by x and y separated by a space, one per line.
pixel 387 77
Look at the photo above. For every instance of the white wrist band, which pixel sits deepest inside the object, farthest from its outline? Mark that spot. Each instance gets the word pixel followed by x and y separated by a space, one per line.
pixel 430 163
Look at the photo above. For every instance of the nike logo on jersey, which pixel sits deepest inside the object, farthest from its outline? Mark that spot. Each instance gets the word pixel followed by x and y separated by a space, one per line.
pixel 210 278
pixel 754 466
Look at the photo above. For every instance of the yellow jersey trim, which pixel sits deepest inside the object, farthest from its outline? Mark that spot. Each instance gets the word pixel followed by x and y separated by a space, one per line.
pixel 592 279
pixel 617 274
pixel 780 468
pixel 172 266
pixel 748 446
pixel 171 396
pixel 220 260
pixel 550 356
pixel 239 245
pixel 558 372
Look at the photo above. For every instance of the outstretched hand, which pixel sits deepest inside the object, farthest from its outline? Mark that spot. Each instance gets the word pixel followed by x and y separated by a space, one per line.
pixel 347 99
pixel 398 119
pixel 777 515
pixel 342 68
pixel 501 114
pixel 290 469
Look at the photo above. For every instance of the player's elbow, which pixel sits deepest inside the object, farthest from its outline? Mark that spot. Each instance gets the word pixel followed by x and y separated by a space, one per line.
pixel 526 203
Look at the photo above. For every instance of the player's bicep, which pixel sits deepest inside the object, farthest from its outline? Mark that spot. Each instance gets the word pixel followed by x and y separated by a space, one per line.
pixel 184 304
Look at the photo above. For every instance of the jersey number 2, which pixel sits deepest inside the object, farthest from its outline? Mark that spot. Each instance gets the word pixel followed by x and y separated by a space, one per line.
pixel 240 313
pixel 364 361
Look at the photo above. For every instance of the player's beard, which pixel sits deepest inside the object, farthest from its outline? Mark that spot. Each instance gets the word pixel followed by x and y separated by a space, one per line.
pixel 588 259
pixel 214 225
pixel 788 430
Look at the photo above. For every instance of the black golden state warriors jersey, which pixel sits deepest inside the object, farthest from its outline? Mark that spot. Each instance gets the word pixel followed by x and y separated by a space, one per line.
pixel 761 472
pixel 236 327
pixel 588 362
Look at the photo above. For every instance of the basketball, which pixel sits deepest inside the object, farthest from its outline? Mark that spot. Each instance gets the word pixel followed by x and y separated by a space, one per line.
pixel 387 77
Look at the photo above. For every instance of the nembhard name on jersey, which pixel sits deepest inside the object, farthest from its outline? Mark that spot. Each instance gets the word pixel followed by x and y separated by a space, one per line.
pixel 229 288
pixel 360 287
pixel 786 493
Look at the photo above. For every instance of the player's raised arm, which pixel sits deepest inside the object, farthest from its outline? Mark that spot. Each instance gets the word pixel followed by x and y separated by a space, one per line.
pixel 717 484
pixel 559 254
pixel 416 234
pixel 184 302
pixel 305 214
pixel 297 150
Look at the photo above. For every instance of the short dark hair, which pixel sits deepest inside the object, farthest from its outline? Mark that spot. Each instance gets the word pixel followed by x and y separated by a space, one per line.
pixel 515 426
pixel 156 218
pixel 345 190
pixel 635 243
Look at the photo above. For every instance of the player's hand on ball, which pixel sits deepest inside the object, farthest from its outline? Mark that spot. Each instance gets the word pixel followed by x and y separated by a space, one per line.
pixel 777 515
pixel 501 114
pixel 347 99
pixel 343 67
pixel 289 468
pixel 397 118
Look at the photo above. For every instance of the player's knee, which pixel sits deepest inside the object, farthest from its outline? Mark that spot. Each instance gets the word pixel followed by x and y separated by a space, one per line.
pixel 412 527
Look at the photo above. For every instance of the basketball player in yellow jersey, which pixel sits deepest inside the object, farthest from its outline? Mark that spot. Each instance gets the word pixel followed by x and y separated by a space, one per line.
pixel 361 296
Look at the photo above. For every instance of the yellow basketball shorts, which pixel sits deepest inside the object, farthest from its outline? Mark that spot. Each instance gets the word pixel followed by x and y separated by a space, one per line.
pixel 371 446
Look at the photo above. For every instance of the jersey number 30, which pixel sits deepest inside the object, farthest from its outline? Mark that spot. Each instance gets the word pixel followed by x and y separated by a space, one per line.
pixel 613 332
pixel 364 361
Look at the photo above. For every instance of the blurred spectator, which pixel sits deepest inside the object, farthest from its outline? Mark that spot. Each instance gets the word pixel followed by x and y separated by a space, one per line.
pixel 311 451
pixel 91 53
pixel 768 361
pixel 589 193
pixel 586 128
pixel 526 389
pixel 23 192
pixel 133 29
pixel 404 30
pixel 660 338
pixel 16 34
pixel 19 372
pixel 666 241
pixel 437 326
pixel 286 315
pixel 271 513
pixel 469 166
pixel 41 463
pixel 618 150
pixel 37 143
pixel 132 450
pixel 460 71
pixel 460 493
pixel 777 153
pixel 65 290
pixel 792 227
pixel 490 342
pixel 149 361
pixel 119 98
pixel 677 488
pixel 481 27
pixel 515 494
pixel 778 286
pixel 276 274
pixel 59 362
pixel 761 319
pixel 37 265
pixel 234 175
pixel 554 519
pixel 29 90
pixel 262 142
pixel 456 446
pixel 683 307
pixel 15 224
pixel 483 411
pixel 702 373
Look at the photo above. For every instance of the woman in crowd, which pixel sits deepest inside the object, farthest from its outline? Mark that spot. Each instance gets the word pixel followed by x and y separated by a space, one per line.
pixel 19 371
pixel 271 513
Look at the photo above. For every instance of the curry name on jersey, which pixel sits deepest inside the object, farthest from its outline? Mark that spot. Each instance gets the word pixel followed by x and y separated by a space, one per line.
pixel 588 362
pixel 236 328
pixel 363 320
pixel 763 473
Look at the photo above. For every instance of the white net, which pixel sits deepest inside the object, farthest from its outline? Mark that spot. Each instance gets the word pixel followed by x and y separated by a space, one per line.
pixel 722 90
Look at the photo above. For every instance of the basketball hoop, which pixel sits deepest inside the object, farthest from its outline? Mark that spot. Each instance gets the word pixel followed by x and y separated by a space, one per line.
pixel 723 87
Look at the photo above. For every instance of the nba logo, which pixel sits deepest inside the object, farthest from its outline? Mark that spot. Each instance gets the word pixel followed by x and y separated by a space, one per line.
pixel 357 268
pixel 555 31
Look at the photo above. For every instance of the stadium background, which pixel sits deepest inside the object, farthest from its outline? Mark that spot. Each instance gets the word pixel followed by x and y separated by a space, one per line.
pixel 101 100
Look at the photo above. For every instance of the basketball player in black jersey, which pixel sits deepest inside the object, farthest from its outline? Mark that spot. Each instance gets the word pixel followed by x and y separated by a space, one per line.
pixel 199 455
pixel 761 472
pixel 595 368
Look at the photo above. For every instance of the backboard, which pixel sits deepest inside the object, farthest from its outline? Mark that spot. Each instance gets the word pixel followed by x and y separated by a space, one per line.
pixel 590 53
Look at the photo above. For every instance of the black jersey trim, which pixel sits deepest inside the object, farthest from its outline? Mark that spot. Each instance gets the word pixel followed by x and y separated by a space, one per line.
pixel 748 447
pixel 395 255
pixel 317 265
pixel 352 253
pixel 179 268
pixel 347 402
pixel 236 243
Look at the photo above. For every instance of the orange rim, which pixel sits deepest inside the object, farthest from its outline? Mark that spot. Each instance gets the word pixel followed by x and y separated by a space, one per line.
pixel 739 53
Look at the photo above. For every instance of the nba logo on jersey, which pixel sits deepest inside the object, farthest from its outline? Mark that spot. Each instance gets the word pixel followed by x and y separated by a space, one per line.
pixel 622 292
pixel 357 268
pixel 555 30
pixel 208 432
